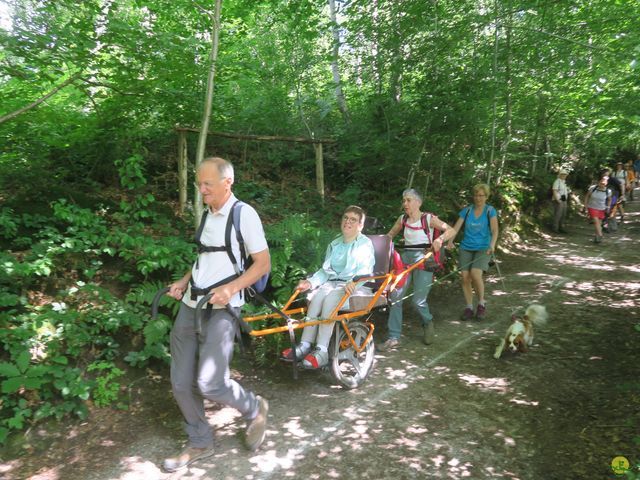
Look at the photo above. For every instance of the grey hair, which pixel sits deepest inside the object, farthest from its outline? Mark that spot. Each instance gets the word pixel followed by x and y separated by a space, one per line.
pixel 225 168
pixel 412 192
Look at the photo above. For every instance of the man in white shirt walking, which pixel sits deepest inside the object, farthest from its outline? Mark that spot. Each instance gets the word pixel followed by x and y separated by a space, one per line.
pixel 560 200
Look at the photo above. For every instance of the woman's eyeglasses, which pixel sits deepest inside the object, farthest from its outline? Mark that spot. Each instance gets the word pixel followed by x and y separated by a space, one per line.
pixel 348 219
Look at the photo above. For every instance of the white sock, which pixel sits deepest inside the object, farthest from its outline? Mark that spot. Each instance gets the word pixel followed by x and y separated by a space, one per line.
pixel 322 348
pixel 305 345
pixel 481 303
pixel 470 306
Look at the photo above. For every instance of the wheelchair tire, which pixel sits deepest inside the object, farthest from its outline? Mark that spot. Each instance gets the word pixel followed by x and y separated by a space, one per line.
pixel 349 368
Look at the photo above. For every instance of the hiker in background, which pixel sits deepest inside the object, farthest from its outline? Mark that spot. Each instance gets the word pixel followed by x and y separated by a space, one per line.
pixel 480 222
pixel 418 229
pixel 620 173
pixel 617 197
pixel 560 198
pixel 631 179
pixel 348 256
pixel 597 202
pixel 200 362
pixel 636 169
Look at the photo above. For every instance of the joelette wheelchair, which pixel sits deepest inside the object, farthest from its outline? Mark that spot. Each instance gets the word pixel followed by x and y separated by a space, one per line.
pixel 351 350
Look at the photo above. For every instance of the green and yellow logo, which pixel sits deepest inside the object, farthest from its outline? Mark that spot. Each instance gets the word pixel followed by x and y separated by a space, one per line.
pixel 620 465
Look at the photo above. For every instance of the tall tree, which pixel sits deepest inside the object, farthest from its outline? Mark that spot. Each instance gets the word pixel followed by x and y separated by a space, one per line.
pixel 335 62
pixel 208 102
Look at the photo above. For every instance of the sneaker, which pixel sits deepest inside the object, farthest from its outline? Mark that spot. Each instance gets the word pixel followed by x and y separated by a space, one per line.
pixel 301 352
pixel 316 359
pixel 597 239
pixel 390 344
pixel 429 333
pixel 467 314
pixel 481 311
pixel 186 457
pixel 257 428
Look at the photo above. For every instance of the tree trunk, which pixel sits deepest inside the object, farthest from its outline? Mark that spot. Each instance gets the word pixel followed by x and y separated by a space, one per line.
pixel 183 173
pixel 495 97
pixel 504 148
pixel 319 170
pixel 204 128
pixel 335 69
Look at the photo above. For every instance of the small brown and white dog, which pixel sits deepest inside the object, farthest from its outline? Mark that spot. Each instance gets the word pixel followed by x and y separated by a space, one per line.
pixel 519 335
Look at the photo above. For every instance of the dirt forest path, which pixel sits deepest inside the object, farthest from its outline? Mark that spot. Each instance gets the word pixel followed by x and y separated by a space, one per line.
pixel 563 410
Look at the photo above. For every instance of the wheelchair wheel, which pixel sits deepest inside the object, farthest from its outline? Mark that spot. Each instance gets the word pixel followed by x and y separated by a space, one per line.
pixel 349 368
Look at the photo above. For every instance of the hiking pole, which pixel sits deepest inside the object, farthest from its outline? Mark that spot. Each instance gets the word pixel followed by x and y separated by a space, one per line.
pixel 495 262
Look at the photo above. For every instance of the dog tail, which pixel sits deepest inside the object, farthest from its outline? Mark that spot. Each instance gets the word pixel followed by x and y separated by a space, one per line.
pixel 537 314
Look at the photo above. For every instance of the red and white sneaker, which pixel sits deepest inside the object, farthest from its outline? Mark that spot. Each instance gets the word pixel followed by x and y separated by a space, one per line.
pixel 316 359
pixel 301 352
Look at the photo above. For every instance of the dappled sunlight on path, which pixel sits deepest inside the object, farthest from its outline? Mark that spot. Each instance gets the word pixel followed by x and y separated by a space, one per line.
pixel 449 410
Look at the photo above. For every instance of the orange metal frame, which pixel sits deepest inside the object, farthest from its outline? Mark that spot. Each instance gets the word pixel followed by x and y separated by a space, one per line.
pixel 390 281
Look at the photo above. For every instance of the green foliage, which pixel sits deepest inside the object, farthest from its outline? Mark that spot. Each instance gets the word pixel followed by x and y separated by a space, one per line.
pixel 131 171
pixel 32 390
pixel 297 247
pixel 84 321
pixel 106 389
pixel 8 224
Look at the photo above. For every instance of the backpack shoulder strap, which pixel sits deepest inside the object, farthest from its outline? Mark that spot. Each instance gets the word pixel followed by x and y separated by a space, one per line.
pixel 466 215
pixel 203 220
pixel 236 210
pixel 426 226
pixel 227 237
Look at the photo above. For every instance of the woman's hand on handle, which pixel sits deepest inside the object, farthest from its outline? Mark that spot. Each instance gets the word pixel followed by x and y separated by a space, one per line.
pixel 303 285
pixel 350 287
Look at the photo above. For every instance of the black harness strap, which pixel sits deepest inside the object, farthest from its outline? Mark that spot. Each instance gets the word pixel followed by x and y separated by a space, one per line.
pixel 202 248
pixel 197 292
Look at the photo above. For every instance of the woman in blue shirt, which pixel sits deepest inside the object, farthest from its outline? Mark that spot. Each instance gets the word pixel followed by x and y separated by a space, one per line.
pixel 348 256
pixel 478 244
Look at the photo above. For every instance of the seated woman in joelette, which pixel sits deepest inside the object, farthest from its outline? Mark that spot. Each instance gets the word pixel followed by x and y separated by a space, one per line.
pixel 348 256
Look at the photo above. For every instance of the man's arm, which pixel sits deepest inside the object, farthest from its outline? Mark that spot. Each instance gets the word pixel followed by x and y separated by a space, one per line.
pixel 177 289
pixel 556 190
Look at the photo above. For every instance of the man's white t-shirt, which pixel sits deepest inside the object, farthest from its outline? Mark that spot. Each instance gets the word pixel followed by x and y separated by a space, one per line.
pixel 560 186
pixel 213 267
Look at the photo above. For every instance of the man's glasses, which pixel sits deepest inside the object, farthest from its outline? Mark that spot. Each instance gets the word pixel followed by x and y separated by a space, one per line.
pixel 207 185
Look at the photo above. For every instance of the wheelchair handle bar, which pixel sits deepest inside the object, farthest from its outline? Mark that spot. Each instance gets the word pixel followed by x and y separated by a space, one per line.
pixel 156 302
